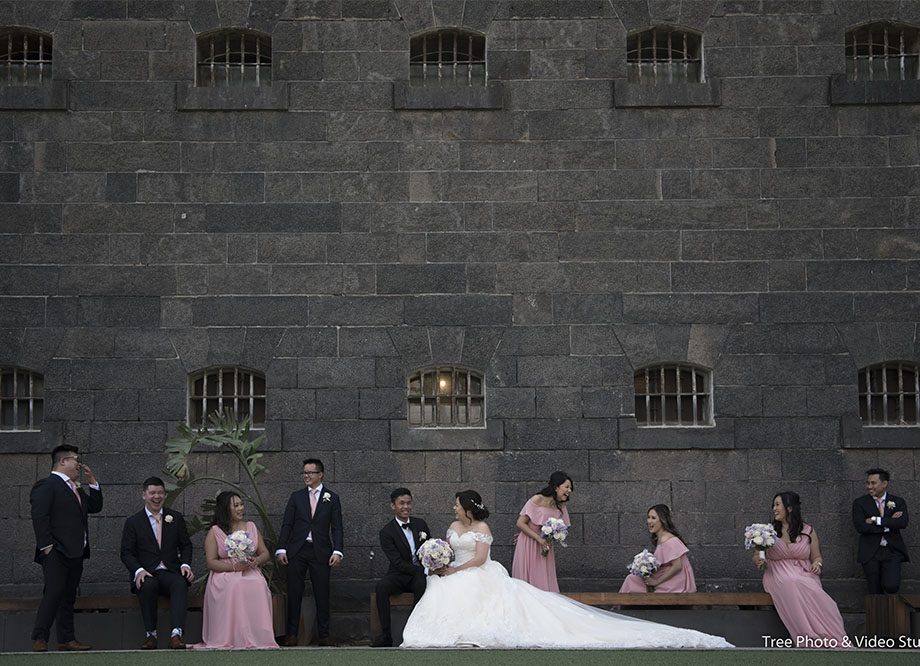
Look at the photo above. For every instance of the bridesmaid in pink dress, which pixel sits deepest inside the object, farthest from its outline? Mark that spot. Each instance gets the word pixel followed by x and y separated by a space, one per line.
pixel 792 578
pixel 533 557
pixel 674 572
pixel 237 602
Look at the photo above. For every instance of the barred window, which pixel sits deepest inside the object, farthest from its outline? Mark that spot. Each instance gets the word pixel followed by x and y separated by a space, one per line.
pixel 673 395
pixel 664 55
pixel 21 399
pixel 446 397
pixel 238 389
pixel 889 394
pixel 234 58
pixel 447 57
pixel 25 57
pixel 883 52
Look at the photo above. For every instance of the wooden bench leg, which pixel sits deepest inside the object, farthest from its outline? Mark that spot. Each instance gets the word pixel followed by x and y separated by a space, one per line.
pixel 375 617
pixel 887 616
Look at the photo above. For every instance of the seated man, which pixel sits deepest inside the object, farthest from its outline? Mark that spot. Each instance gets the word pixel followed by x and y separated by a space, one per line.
pixel 156 549
pixel 400 539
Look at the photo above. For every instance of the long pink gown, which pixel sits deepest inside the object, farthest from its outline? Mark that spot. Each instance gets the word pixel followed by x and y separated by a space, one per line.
pixel 666 553
pixel 237 605
pixel 803 605
pixel 528 564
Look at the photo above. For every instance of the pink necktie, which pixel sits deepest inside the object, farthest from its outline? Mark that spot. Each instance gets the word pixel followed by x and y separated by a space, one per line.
pixel 73 487
pixel 313 500
pixel 159 530
pixel 881 507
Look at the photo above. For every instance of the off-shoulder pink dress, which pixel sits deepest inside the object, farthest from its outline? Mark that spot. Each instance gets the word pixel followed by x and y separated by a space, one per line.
pixel 802 604
pixel 666 553
pixel 529 564
pixel 237 605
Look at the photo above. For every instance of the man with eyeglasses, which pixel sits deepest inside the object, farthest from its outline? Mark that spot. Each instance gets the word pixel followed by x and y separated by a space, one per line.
pixel 60 507
pixel 310 542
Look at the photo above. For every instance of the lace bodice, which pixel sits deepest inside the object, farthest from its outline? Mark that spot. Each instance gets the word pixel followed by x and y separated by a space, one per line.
pixel 464 545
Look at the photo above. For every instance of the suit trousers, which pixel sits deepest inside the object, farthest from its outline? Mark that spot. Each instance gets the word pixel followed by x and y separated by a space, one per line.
pixel 166 584
pixel 883 571
pixel 62 577
pixel 394 583
pixel 303 562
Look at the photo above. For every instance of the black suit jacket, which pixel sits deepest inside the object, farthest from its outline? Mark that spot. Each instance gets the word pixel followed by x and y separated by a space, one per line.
pixel 326 524
pixel 139 548
pixel 59 519
pixel 395 546
pixel 870 534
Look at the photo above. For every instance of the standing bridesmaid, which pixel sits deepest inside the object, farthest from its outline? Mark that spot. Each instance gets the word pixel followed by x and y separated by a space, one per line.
pixel 533 557
pixel 674 573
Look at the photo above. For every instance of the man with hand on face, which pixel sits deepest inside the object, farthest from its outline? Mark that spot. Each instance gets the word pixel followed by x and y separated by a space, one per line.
pixel 400 539
pixel 59 517
pixel 156 549
pixel 310 541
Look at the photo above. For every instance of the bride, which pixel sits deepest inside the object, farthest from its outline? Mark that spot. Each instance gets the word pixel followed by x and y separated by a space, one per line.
pixel 474 602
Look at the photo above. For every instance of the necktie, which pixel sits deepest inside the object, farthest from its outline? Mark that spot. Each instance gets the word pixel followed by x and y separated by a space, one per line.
pixel 314 496
pixel 159 529
pixel 73 487
pixel 881 506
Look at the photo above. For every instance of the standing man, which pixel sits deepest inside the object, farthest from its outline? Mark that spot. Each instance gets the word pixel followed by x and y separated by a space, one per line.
pixel 310 541
pixel 400 539
pixel 60 507
pixel 879 518
pixel 156 549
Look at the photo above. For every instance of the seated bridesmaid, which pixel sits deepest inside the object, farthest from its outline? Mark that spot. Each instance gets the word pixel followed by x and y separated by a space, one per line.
pixel 237 601
pixel 792 577
pixel 674 572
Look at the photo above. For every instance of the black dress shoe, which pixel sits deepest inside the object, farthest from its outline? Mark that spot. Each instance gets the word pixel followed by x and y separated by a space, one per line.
pixel 287 641
pixel 326 641
pixel 383 641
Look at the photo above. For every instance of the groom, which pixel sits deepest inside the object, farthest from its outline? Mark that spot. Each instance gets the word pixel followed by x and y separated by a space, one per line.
pixel 310 541
pixel 400 539
pixel 879 518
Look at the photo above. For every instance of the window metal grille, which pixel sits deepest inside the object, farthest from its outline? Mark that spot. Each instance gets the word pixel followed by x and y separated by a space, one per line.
pixel 447 57
pixel 21 400
pixel 664 55
pixel 883 52
pixel 889 394
pixel 446 397
pixel 234 58
pixel 25 57
pixel 238 389
pixel 673 395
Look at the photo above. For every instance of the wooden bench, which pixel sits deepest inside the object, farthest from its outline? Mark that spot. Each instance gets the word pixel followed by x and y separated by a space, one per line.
pixel 888 615
pixel 741 600
pixel 98 604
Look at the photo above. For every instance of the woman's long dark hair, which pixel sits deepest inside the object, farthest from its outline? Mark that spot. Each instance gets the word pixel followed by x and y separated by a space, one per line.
pixel 222 517
pixel 471 501
pixel 793 506
pixel 556 479
pixel 667 522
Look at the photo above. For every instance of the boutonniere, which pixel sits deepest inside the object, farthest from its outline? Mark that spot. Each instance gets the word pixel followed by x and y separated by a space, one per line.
pixel 327 497
pixel 78 485
pixel 167 518
pixel 422 536
pixel 889 504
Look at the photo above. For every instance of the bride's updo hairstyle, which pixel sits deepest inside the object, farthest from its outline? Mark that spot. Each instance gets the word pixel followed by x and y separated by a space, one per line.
pixel 471 501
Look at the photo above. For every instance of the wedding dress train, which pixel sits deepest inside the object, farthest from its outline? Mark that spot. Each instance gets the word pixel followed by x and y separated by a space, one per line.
pixel 484 607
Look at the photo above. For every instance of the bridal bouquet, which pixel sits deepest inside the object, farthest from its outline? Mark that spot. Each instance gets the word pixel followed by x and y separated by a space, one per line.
pixel 760 536
pixel 434 554
pixel 239 546
pixel 643 565
pixel 554 530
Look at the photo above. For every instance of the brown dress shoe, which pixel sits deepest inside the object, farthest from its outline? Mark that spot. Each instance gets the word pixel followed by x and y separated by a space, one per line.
pixel 150 643
pixel 39 645
pixel 74 646
pixel 288 641
pixel 175 643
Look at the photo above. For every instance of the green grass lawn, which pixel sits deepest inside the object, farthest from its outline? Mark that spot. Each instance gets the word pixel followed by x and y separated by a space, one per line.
pixel 361 656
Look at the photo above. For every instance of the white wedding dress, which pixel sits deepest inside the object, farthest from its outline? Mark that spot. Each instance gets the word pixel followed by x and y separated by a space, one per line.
pixel 485 607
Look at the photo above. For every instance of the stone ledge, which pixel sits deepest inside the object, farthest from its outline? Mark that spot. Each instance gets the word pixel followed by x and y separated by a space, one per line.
pixel 31 441
pixel 404 438
pixel 447 97
pixel 265 98
pixel 719 436
pixel 857 436
pixel 34 98
pixel 843 91
pixel 667 95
